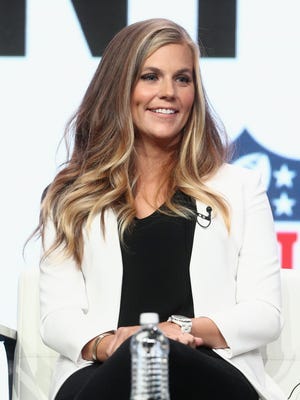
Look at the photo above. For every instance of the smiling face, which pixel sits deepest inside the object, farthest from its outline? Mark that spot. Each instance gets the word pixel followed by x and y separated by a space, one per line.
pixel 164 94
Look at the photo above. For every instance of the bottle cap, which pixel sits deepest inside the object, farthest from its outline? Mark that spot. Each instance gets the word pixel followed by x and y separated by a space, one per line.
pixel 149 318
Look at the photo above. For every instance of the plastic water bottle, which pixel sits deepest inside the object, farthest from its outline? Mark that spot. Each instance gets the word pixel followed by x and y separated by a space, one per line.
pixel 149 361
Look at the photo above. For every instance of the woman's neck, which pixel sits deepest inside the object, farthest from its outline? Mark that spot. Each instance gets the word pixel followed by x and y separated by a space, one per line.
pixel 153 166
pixel 153 159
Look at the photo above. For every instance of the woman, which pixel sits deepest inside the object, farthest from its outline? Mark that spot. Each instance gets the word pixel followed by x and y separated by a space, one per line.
pixel 147 216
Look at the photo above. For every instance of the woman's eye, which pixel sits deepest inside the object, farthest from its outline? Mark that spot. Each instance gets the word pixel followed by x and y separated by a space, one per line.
pixel 184 79
pixel 149 77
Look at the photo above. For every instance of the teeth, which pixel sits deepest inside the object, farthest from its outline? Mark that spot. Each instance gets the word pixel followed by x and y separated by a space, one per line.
pixel 164 111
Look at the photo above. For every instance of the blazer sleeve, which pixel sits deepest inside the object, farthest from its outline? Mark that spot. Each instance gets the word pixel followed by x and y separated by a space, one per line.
pixel 66 325
pixel 255 319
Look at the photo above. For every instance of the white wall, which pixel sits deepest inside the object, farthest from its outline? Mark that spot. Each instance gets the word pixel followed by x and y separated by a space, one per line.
pixel 259 90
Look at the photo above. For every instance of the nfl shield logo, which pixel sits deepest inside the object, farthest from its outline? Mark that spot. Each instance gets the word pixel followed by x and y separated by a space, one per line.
pixel 282 179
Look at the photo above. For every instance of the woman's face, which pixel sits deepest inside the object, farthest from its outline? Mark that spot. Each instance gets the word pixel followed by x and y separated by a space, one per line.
pixel 164 94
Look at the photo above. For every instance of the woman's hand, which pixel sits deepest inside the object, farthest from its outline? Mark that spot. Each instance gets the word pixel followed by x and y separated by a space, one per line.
pixel 173 331
pixel 122 334
pixel 109 344
pixel 209 332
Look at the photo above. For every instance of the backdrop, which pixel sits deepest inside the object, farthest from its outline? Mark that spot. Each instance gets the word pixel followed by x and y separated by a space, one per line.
pixel 49 51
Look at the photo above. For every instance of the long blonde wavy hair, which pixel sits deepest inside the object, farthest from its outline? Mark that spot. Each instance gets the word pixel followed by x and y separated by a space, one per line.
pixel 101 171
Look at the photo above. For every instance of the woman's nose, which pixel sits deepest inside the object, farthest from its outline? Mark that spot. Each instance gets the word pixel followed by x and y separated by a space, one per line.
pixel 167 88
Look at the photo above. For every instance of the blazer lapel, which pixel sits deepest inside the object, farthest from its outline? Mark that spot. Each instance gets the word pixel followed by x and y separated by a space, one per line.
pixel 200 253
pixel 211 280
pixel 107 267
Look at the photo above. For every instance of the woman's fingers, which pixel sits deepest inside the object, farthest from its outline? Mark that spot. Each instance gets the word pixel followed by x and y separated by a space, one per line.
pixel 171 330
pixel 174 332
pixel 120 336
pixel 199 341
pixel 187 339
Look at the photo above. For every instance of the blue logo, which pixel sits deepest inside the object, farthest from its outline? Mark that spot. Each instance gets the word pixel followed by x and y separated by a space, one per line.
pixel 281 176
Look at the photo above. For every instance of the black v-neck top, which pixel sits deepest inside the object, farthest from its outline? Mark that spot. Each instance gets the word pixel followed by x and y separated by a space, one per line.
pixel 156 258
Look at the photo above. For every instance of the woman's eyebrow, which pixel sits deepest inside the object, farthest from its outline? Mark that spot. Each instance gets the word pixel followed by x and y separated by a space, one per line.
pixel 158 70
pixel 152 69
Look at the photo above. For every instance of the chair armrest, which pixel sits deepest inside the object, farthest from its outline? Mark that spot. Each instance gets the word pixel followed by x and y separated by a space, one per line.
pixel 9 337
pixel 8 332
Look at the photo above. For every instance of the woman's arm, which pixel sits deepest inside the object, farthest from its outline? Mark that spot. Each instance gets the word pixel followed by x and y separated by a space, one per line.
pixel 255 319
pixel 66 324
pixel 209 332
pixel 100 349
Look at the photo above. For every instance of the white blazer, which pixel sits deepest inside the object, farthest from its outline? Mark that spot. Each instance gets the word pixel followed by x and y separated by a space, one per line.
pixel 235 280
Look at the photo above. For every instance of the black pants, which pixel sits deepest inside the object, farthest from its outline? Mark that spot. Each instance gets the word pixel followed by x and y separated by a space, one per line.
pixel 194 374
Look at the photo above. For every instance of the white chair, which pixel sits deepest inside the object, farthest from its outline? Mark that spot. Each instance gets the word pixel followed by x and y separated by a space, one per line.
pixel 4 374
pixel 282 357
pixel 34 361
pixel 8 338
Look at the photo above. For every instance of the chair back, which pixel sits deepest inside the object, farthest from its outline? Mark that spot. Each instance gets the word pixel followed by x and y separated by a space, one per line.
pixel 33 361
pixel 282 357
